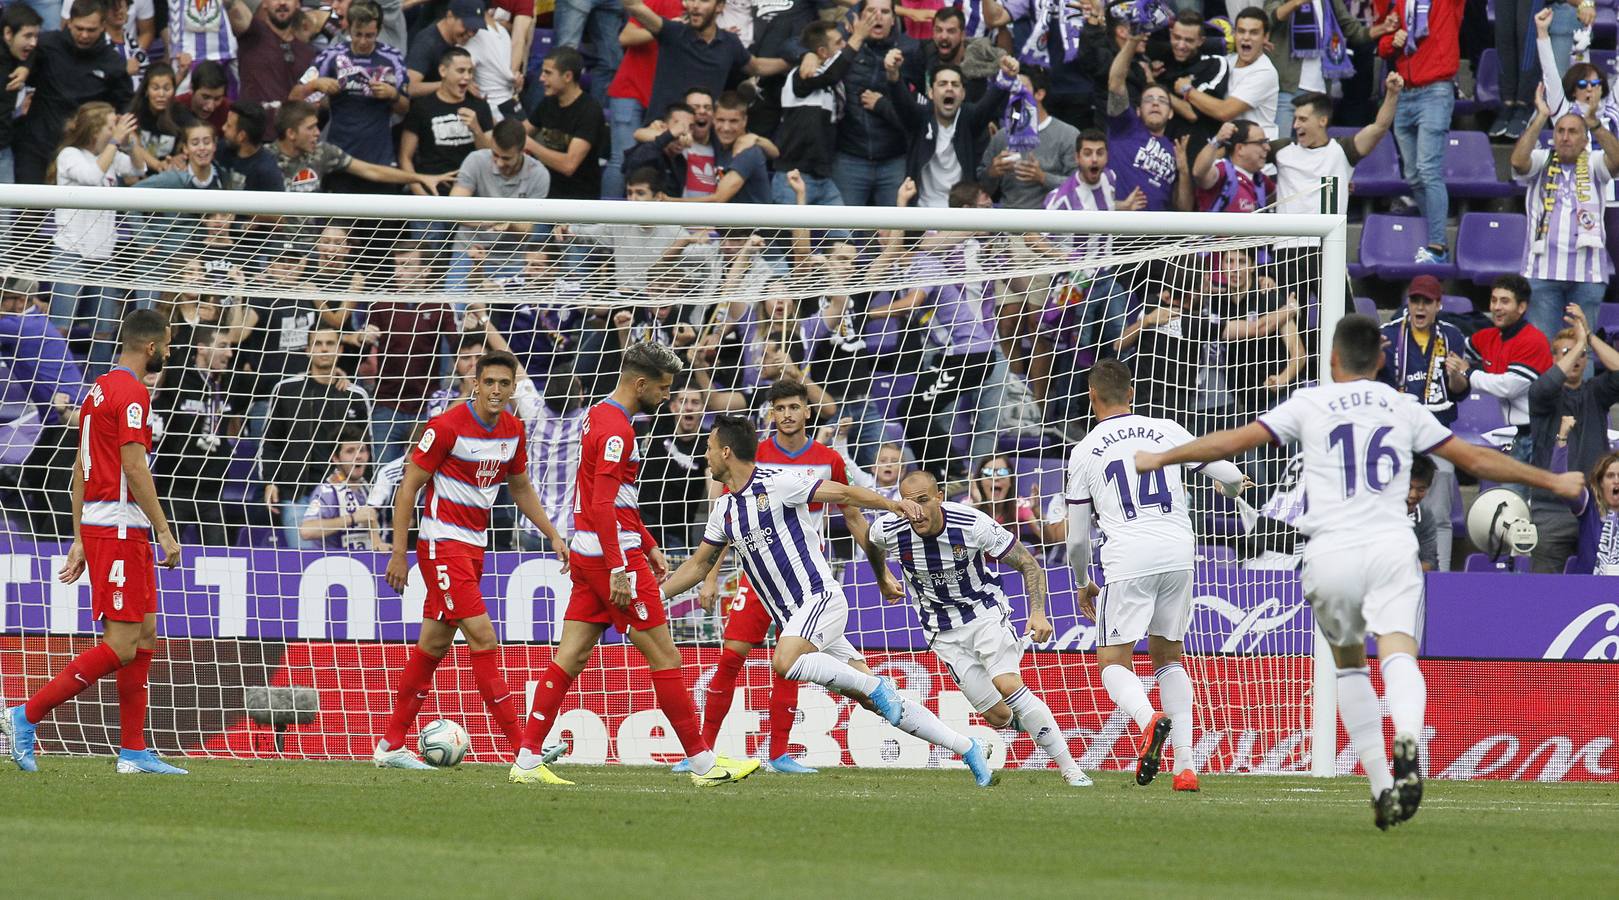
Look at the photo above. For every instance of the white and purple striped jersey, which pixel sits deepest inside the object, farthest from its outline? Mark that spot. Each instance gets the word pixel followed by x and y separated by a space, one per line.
pixel 553 463
pixel 949 575
pixel 1566 242
pixel 769 525
pixel 201 28
pixel 1075 194
pixel 333 499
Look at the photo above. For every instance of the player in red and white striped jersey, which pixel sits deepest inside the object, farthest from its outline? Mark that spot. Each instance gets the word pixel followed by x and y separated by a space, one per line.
pixel 747 621
pixel 462 458
pixel 116 515
pixel 616 568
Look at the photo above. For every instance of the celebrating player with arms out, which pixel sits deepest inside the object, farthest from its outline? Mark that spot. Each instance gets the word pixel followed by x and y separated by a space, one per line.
pixel 1147 558
pixel 615 562
pixel 747 620
pixel 1361 572
pixel 464 456
pixel 766 518
pixel 116 515
pixel 964 611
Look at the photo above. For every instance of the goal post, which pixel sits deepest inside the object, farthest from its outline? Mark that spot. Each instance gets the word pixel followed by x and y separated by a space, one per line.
pixel 314 333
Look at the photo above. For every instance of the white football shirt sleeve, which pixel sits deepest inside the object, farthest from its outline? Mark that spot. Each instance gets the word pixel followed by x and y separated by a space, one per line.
pixel 1285 421
pixel 714 531
pixel 796 488
pixel 879 535
pixel 987 535
pixel 1427 434
pixel 1078 490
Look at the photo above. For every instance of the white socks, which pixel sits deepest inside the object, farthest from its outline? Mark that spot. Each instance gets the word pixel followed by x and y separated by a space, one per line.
pixel 701 763
pixel 1175 693
pixel 1036 720
pixel 1357 707
pixel 826 671
pixel 527 759
pixel 1128 694
pixel 920 721
pixel 1407 693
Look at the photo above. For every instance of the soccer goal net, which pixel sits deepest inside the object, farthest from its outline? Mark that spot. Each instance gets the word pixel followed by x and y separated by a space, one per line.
pixel 314 335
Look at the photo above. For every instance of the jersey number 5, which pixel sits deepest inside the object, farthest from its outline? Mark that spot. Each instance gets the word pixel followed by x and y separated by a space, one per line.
pixel 1370 458
pixel 1152 489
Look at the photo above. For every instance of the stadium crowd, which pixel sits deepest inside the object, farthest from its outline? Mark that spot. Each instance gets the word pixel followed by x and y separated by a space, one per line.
pixel 303 408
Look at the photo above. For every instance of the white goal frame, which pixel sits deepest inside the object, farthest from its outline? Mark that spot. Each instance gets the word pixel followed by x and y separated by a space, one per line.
pixel 1331 229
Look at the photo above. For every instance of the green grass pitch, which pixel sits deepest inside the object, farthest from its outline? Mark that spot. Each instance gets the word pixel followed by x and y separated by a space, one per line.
pixel 260 829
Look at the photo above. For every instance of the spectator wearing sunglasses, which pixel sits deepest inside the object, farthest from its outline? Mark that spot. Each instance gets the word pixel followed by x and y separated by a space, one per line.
pixel 992 491
pixel 1229 170
pixel 1582 86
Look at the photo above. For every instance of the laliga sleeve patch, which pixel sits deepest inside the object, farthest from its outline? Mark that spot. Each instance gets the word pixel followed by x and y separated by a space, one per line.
pixel 134 415
pixel 426 442
pixel 614 450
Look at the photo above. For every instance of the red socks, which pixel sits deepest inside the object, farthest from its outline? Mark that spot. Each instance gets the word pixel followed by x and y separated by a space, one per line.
pixel 83 671
pixel 783 710
pixel 721 691
pixel 414 686
pixel 132 701
pixel 675 701
pixel 496 695
pixel 548 696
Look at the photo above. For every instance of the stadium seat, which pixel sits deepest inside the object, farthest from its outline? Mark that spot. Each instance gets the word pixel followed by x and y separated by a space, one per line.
pixel 1489 245
pixel 1608 317
pixel 1568 567
pixel 1378 173
pixel 1605 29
pixel 1606 61
pixel 1456 306
pixel 1477 416
pixel 1366 306
pixel 1487 81
pixel 1388 248
pixel 1470 167
pixel 882 335
pixel 1479 562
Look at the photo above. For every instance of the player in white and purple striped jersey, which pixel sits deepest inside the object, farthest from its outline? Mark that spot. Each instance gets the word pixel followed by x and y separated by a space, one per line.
pixel 964 610
pixel 206 29
pixel 766 519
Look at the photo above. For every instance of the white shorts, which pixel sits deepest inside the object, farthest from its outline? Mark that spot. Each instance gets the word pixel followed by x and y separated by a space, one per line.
pixel 979 652
pixel 1369 588
pixel 1131 609
pixel 821 621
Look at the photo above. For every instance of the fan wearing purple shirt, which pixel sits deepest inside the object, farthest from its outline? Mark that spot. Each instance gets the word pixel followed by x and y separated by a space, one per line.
pixel 338 517
pixel 1140 154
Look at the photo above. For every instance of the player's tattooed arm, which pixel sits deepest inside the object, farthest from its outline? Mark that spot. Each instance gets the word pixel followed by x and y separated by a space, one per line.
pixel 1034 584
pixel 692 570
pixel 886 583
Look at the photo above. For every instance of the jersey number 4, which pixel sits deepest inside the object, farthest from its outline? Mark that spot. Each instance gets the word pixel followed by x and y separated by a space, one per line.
pixel 1152 489
pixel 1369 459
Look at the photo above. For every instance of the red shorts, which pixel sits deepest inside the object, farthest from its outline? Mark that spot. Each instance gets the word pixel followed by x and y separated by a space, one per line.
pixel 591 589
pixel 746 618
pixel 123 578
pixel 451 571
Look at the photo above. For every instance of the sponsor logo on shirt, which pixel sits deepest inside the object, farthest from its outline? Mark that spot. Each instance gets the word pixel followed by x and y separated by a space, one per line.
pixel 614 450
pixel 426 442
pixel 134 415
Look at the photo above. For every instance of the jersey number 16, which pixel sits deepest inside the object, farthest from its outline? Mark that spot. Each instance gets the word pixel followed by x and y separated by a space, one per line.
pixel 1374 454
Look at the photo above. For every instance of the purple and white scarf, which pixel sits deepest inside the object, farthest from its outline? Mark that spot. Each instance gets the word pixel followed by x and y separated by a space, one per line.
pixel 1049 16
pixel 1317 35
pixel 1416 23
pixel 1021 121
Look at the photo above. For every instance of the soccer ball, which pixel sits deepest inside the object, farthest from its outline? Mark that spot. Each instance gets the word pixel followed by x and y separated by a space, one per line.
pixel 1499 521
pixel 442 743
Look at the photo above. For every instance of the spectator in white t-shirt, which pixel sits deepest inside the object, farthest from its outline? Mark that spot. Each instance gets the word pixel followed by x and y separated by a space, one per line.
pixel 92 154
pixel 503 170
pixel 1254 82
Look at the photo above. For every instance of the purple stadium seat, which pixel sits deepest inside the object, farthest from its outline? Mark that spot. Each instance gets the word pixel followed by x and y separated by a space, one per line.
pixel 1479 562
pixel 1605 29
pixel 1216 555
pixel 890 392
pixel 1366 306
pixel 1378 174
pixel 882 335
pixel 1039 474
pixel 1388 248
pixel 1606 61
pixel 1610 218
pixel 1489 245
pixel 1470 167
pixel 1608 317
pixel 1487 87
pixel 1568 567
pixel 1476 416
pixel 1456 306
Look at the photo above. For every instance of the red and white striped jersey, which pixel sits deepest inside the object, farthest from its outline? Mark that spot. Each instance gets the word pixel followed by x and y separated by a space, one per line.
pixel 469 462
pixel 116 412
pixel 814 458
pixel 606 501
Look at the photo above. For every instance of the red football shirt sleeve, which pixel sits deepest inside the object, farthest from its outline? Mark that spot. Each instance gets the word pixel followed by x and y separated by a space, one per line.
pixel 607 457
pixel 840 471
pixel 520 458
pixel 131 414
pixel 434 447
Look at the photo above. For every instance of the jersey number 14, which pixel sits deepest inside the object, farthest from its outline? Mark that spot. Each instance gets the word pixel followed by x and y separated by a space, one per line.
pixel 1152 489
